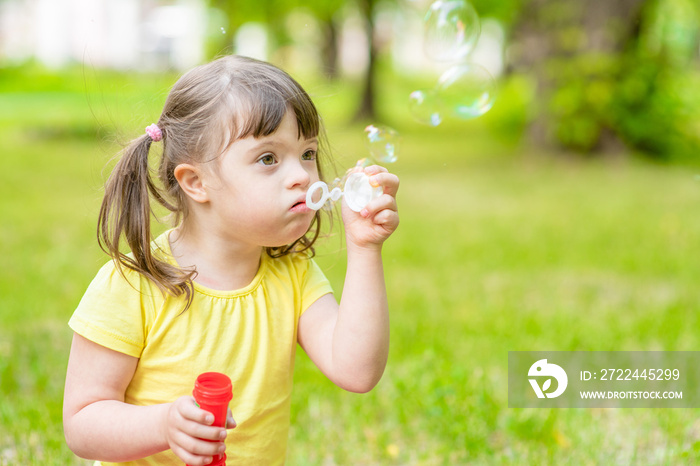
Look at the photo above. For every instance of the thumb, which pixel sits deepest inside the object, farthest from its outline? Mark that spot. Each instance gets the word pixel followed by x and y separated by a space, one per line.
pixel 230 421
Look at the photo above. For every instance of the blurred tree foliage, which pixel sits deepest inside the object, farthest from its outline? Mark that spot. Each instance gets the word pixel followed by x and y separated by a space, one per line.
pixel 273 14
pixel 656 106
pixel 609 72
pixel 606 73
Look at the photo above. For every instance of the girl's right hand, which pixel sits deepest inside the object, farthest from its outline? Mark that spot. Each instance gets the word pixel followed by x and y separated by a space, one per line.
pixel 187 429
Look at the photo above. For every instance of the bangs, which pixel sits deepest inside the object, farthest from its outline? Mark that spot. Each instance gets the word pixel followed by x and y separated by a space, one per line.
pixel 259 111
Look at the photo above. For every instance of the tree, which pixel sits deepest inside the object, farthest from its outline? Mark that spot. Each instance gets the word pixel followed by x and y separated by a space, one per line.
pixel 366 109
pixel 604 74
pixel 272 13
pixel 327 12
pixel 571 49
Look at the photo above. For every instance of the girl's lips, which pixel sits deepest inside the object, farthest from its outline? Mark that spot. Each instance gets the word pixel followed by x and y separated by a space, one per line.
pixel 300 207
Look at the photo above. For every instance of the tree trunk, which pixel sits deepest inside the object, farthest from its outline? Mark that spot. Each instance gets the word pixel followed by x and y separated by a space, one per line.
pixel 330 48
pixel 559 41
pixel 366 110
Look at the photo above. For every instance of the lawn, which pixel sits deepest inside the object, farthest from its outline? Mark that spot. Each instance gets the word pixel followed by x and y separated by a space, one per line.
pixel 501 247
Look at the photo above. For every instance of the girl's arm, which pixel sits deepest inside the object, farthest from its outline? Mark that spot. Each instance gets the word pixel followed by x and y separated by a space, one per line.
pixel 99 425
pixel 350 342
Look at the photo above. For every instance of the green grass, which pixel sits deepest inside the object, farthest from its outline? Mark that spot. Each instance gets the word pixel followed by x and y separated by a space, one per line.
pixel 500 248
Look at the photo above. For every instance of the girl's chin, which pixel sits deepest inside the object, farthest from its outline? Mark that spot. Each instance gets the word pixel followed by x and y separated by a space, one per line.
pixel 292 235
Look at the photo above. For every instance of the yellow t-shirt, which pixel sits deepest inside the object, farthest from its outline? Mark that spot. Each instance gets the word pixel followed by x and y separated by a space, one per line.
pixel 249 334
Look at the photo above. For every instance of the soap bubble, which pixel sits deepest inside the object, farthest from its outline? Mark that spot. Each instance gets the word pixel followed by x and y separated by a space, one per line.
pixel 451 30
pixel 223 31
pixel 362 163
pixel 466 91
pixel 383 143
pixel 424 106
pixel 337 183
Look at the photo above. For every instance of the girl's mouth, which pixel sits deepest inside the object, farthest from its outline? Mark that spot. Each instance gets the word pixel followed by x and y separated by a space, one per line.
pixel 300 207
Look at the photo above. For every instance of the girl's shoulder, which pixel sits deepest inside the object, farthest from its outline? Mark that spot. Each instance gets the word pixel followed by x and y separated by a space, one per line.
pixel 116 310
pixel 116 276
pixel 293 262
pixel 299 267
pixel 299 273
pixel 120 280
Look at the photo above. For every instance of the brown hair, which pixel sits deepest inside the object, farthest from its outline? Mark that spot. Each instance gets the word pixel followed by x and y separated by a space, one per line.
pixel 208 108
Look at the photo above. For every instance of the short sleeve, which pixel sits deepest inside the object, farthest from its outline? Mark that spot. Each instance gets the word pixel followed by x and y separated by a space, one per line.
pixel 314 284
pixel 111 313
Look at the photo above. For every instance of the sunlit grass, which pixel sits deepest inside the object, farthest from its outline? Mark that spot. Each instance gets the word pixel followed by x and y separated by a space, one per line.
pixel 500 248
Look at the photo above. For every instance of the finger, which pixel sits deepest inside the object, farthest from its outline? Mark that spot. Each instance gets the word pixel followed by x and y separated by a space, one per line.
pixel 374 169
pixel 388 181
pixel 196 422
pixel 196 430
pixel 188 409
pixel 198 447
pixel 383 202
pixel 387 219
pixel 204 448
pixel 190 459
pixel 230 421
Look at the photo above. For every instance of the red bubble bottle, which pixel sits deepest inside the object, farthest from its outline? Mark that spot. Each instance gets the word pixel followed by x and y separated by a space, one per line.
pixel 212 392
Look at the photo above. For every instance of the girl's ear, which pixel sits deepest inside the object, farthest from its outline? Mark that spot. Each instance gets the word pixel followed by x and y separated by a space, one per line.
pixel 190 180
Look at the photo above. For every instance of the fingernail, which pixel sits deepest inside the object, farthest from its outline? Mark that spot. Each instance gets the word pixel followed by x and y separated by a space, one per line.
pixel 209 419
pixel 373 181
pixel 222 448
pixel 364 213
pixel 222 435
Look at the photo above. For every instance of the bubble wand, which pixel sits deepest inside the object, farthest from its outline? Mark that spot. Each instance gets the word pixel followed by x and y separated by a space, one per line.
pixel 382 143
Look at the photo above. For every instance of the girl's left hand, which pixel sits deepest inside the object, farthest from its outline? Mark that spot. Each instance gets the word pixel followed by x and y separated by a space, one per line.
pixel 379 219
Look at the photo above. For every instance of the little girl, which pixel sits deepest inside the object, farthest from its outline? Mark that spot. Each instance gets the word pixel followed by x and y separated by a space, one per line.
pixel 232 288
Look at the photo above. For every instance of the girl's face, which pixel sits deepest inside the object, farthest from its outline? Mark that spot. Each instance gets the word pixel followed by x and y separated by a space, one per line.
pixel 259 194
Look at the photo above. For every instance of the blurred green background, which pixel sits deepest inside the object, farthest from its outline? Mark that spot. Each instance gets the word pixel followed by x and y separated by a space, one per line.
pixel 563 219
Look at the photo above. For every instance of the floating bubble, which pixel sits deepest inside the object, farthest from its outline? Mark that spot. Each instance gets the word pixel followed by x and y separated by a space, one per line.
pixel 362 163
pixel 383 143
pixel 223 31
pixel 466 91
pixel 424 106
pixel 451 30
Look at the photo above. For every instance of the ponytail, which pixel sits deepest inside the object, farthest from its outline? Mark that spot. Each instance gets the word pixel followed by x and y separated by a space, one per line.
pixel 126 211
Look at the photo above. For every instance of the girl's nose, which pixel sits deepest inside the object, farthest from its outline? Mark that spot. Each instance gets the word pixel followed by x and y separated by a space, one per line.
pixel 299 176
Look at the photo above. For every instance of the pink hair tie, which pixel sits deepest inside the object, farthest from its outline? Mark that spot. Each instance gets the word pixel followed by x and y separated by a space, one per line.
pixel 154 132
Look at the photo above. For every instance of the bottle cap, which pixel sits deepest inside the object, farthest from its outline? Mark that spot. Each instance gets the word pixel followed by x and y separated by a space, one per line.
pixel 213 388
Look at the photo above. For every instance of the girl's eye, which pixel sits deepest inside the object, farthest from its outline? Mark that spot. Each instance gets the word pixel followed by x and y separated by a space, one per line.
pixel 309 155
pixel 267 159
